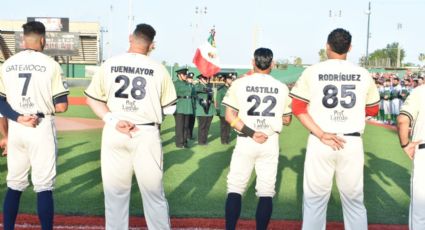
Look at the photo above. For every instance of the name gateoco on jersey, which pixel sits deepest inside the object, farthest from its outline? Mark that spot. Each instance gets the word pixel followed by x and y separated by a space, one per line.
pixel 338 98
pixel 260 100
pixel 30 80
pixel 134 87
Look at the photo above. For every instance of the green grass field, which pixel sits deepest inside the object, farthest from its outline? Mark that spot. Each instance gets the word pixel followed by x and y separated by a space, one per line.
pixel 195 178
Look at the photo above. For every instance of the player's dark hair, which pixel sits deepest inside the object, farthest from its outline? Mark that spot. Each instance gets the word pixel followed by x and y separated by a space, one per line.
pixel 34 27
pixel 339 40
pixel 145 32
pixel 263 58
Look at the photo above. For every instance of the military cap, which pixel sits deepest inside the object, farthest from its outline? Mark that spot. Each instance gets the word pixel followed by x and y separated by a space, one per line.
pixel 231 75
pixel 182 70
pixel 200 75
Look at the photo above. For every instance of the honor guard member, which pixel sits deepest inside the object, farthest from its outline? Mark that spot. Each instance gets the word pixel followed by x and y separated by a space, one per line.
pixel 32 83
pixel 205 109
pixel 221 109
pixel 412 114
pixel 184 108
pixel 131 92
pixel 189 79
pixel 256 105
pixel 332 99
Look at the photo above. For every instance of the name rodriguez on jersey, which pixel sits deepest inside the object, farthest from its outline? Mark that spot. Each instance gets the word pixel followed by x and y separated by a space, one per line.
pixel 339 77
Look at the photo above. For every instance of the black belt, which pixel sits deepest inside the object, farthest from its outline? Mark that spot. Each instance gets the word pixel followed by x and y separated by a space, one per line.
pixel 149 124
pixel 355 134
pixel 42 115
pixel 185 97
pixel 421 146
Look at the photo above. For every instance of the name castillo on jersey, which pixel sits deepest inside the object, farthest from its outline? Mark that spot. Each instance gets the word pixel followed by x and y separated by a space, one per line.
pixel 261 89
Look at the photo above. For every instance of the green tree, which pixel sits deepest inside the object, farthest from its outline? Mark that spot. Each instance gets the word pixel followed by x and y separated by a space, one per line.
pixel 322 55
pixel 281 64
pixel 298 61
pixel 387 57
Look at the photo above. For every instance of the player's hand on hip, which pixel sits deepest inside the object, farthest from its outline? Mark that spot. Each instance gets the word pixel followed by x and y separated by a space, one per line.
pixel 260 137
pixel 332 140
pixel 126 127
pixel 28 120
pixel 3 145
pixel 411 148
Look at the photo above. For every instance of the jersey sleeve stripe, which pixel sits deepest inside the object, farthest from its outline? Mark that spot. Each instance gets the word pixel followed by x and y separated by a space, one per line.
pixel 173 102
pixel 373 104
pixel 404 112
pixel 88 95
pixel 299 98
pixel 2 95
pixel 237 110
pixel 60 94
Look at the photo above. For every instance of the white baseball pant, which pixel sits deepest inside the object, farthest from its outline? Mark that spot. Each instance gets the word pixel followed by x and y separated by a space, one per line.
pixel 417 202
pixel 248 155
pixel 120 157
pixel 35 149
pixel 321 163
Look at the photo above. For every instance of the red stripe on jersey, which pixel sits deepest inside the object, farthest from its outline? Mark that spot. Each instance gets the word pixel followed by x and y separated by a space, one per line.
pixel 372 110
pixel 298 106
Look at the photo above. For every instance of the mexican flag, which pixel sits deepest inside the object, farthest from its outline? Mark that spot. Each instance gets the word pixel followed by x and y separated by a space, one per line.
pixel 206 59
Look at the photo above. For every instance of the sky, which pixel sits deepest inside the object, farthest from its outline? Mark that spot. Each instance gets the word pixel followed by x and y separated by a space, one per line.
pixel 290 28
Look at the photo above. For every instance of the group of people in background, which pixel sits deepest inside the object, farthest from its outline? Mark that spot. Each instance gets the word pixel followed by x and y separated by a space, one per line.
pixel 393 92
pixel 199 101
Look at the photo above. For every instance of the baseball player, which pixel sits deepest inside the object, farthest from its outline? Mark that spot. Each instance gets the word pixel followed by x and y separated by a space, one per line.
pixel 395 99
pixel 130 92
pixel 31 82
pixel 411 114
pixel 256 106
pixel 331 99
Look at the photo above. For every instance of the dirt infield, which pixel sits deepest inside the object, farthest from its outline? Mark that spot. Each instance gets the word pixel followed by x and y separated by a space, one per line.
pixel 74 123
pixel 77 100
pixel 27 222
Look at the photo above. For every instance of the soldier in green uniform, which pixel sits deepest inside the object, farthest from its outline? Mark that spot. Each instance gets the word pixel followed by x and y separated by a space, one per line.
pixel 184 108
pixel 192 119
pixel 221 109
pixel 205 109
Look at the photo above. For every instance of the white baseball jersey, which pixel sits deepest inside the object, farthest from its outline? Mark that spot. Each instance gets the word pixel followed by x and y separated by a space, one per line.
pixel 30 80
pixel 413 107
pixel 337 98
pixel 134 87
pixel 260 100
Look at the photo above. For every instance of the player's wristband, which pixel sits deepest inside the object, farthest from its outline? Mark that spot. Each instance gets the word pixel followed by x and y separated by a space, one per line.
pixel 404 146
pixel 110 119
pixel 247 131
pixel 233 123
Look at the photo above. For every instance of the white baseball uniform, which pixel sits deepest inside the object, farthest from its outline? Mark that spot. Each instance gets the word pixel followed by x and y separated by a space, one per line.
pixel 261 101
pixel 135 88
pixel 414 108
pixel 30 81
pixel 337 93
pixel 396 101
pixel 386 104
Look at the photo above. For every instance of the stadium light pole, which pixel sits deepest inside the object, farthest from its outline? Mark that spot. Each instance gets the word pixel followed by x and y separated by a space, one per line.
pixel 368 12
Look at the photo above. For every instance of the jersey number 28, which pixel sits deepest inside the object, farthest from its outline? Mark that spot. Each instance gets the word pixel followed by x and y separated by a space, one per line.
pixel 138 90
pixel 330 99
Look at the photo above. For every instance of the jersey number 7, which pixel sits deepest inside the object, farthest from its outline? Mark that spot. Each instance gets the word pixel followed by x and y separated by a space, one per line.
pixel 27 77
